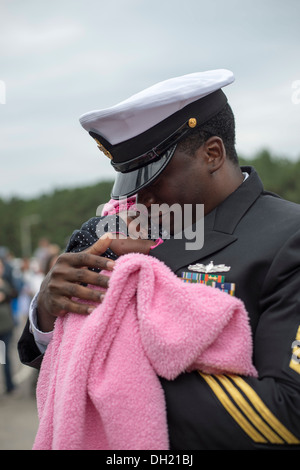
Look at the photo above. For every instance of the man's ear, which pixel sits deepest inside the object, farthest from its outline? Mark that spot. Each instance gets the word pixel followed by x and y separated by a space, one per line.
pixel 215 153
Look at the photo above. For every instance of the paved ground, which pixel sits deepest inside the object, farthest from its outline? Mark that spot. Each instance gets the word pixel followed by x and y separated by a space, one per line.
pixel 18 414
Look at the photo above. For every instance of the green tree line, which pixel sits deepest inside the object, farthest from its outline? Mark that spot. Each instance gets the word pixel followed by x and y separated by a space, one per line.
pixel 53 216
pixel 57 214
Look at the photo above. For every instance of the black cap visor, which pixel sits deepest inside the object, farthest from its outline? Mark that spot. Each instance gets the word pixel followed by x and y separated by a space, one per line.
pixel 128 184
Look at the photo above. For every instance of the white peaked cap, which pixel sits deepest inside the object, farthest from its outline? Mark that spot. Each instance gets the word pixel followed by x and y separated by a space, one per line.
pixel 140 134
pixel 145 109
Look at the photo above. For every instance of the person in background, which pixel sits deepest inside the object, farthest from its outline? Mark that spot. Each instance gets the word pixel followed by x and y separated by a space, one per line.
pixel 7 293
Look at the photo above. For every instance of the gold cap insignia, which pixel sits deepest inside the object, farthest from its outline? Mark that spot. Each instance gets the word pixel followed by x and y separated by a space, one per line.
pixel 103 149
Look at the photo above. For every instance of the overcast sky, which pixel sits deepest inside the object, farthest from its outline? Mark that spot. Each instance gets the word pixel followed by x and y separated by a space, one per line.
pixel 62 58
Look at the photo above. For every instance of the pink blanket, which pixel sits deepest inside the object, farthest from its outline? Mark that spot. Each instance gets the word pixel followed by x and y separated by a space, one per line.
pixel 98 386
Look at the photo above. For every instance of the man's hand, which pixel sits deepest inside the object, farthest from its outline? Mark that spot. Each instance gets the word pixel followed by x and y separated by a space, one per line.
pixel 69 278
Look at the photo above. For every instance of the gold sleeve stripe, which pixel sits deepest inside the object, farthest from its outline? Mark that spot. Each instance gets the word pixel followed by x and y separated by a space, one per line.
pixel 294 364
pixel 259 423
pixel 232 409
pixel 268 416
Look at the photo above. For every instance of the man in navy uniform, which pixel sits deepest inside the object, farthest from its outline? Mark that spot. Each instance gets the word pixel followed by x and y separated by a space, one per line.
pixel 175 143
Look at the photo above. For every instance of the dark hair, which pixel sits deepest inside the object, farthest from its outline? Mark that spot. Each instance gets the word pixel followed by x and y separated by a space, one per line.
pixel 221 125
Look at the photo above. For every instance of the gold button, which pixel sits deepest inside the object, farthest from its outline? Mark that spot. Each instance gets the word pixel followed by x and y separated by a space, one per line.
pixel 192 122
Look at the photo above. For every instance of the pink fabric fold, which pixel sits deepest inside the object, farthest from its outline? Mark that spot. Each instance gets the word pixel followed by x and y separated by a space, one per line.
pixel 114 206
pixel 98 387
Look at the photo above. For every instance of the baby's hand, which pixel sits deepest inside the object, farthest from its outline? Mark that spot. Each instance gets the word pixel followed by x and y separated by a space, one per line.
pixel 122 246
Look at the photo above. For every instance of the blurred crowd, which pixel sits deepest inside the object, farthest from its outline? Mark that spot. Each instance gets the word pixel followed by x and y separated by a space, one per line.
pixel 20 280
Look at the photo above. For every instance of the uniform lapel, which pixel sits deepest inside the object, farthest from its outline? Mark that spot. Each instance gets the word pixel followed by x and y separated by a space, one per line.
pixel 219 226
pixel 230 212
